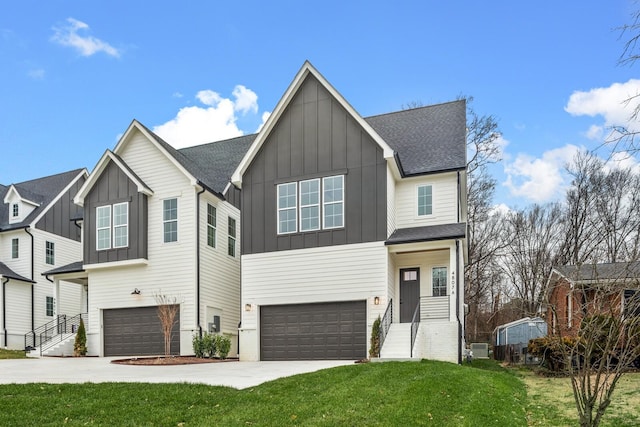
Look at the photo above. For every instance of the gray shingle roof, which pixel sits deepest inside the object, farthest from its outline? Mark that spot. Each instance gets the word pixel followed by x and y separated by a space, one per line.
pixel 74 267
pixel 9 273
pixel 41 191
pixel 427 233
pixel 607 271
pixel 427 139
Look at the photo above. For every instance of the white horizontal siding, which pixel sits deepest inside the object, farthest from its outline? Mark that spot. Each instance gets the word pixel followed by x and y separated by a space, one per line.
pixel 18 306
pixel 445 193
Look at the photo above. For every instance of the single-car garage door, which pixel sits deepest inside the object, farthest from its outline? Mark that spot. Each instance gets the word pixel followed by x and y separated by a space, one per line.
pixel 136 332
pixel 335 330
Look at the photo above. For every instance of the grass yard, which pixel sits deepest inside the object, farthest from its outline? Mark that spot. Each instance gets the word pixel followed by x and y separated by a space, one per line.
pixel 12 354
pixel 384 394
pixel 551 401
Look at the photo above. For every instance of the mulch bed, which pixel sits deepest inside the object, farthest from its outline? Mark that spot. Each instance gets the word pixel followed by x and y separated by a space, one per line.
pixel 168 360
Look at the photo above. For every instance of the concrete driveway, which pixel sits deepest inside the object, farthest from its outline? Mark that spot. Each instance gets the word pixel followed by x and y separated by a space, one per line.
pixel 57 370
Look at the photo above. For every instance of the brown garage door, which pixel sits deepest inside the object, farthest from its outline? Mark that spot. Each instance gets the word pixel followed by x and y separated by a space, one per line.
pixel 335 330
pixel 136 332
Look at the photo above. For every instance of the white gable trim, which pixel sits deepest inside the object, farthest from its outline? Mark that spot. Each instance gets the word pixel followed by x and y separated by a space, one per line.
pixel 14 190
pixel 107 157
pixel 82 173
pixel 306 69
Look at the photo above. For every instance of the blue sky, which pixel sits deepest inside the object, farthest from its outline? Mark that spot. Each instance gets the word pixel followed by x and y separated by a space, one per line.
pixel 74 74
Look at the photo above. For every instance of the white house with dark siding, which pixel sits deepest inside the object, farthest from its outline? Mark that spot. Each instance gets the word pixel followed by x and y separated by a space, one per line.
pixel 159 221
pixel 37 233
pixel 345 219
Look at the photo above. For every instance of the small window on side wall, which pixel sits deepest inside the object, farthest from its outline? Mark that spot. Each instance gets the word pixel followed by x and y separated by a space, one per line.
pixel 15 248
pixel 425 200
pixel 211 226
pixel 232 237
pixel 170 220
pixel 50 306
pixel 50 253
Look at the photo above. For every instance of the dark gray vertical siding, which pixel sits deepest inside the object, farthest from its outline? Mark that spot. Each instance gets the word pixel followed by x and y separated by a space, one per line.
pixel 57 220
pixel 315 137
pixel 114 186
pixel 233 196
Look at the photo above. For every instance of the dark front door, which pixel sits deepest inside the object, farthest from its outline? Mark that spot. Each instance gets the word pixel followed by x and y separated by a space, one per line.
pixel 409 293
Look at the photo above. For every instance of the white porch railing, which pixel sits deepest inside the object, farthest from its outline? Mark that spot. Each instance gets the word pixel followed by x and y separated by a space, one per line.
pixel 432 308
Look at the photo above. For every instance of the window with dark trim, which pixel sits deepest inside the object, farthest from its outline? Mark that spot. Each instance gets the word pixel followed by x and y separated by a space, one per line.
pixel 50 306
pixel 50 253
pixel 211 225
pixel 232 237
pixel 15 245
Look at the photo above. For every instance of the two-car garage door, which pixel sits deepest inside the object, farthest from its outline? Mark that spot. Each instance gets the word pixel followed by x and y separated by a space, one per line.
pixel 136 332
pixel 335 330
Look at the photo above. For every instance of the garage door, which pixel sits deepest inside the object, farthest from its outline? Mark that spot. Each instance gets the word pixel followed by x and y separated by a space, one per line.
pixel 136 332
pixel 335 330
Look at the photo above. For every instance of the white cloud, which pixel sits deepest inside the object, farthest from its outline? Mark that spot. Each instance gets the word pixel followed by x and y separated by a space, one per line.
pixel 87 45
pixel 608 102
pixel 622 160
pixel 215 121
pixel 595 133
pixel 36 74
pixel 540 179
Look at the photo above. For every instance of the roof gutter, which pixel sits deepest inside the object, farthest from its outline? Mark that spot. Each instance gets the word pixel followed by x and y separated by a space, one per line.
pixel 4 308
pixel 33 298
pixel 198 260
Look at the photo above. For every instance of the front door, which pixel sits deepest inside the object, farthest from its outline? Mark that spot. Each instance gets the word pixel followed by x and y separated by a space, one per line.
pixel 409 293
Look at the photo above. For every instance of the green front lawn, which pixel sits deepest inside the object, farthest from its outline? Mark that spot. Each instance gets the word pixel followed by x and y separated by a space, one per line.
pixel 387 394
pixel 12 354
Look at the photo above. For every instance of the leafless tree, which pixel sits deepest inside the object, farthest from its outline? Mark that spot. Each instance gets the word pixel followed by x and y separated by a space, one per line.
pixel 168 307
pixel 607 343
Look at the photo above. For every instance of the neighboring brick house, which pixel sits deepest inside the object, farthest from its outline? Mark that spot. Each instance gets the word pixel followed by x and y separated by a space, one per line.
pixel 37 233
pixel 574 292
pixel 347 218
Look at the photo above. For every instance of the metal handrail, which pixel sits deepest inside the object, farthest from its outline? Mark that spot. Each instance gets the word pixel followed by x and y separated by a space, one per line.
pixel 385 324
pixel 52 332
pixel 52 327
pixel 415 322
pixel 70 326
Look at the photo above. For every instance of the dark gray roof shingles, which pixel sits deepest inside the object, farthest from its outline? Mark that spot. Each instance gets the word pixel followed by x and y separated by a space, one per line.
pixel 427 233
pixel 74 267
pixel 10 274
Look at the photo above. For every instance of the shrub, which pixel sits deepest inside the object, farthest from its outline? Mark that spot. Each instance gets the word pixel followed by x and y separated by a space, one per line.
pixel 552 350
pixel 198 346
pixel 209 345
pixel 374 344
pixel 223 344
pixel 80 343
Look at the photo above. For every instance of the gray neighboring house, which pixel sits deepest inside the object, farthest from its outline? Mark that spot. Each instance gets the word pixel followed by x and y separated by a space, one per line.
pixel 37 233
pixel 345 219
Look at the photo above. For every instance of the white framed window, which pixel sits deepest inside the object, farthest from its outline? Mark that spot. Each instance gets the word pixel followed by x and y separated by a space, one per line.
pixel 310 205
pixel 425 200
pixel 121 225
pixel 50 306
pixel 232 237
pixel 103 227
pixel 333 202
pixel 211 225
pixel 15 210
pixel 15 248
pixel 439 281
pixel 50 253
pixel 287 208
pixel 170 220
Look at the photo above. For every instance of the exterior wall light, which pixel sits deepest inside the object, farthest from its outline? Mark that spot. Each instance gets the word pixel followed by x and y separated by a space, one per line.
pixel 247 307
pixel 136 291
pixel 376 300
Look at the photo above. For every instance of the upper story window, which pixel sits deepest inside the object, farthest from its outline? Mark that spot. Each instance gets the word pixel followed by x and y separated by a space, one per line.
pixel 313 199
pixel 50 253
pixel 287 205
pixel 232 237
pixel 439 281
pixel 15 248
pixel 15 210
pixel 211 226
pixel 425 200
pixel 170 220
pixel 112 230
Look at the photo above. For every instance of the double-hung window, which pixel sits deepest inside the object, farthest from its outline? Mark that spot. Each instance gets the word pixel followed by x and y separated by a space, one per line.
pixel 211 226
pixel 310 205
pixel 15 210
pixel 50 253
pixel 112 226
pixel 232 237
pixel 287 208
pixel 333 202
pixel 170 220
pixel 15 252
pixel 425 200
pixel 439 281
pixel 50 306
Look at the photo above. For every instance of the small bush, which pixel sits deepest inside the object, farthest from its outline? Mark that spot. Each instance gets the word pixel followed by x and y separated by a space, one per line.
pixel 198 346
pixel 209 344
pixel 552 350
pixel 223 343
pixel 80 343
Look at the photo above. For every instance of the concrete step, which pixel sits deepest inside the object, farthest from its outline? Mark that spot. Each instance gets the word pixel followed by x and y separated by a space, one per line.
pixel 397 344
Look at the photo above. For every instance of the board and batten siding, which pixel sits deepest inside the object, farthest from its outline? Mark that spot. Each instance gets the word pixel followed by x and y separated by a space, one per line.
pixel 391 202
pixel 114 186
pixel 57 219
pixel 220 272
pixel 315 137
pixel 445 200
